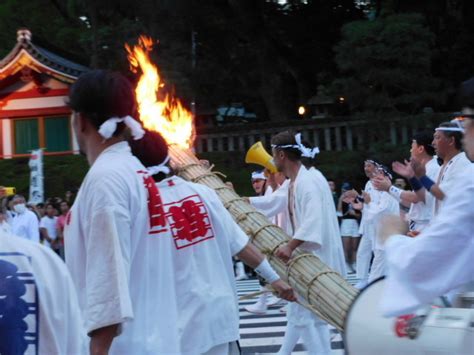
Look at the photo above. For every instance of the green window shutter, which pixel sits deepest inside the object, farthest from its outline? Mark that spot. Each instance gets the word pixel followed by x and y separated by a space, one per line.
pixel 26 135
pixel 57 134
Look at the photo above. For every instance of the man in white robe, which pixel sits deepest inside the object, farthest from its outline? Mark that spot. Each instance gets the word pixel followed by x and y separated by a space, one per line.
pixel 39 311
pixel 123 241
pixel 374 204
pixel 421 202
pixel 448 147
pixel 314 229
pixel 439 260
pixel 366 229
pixel 273 181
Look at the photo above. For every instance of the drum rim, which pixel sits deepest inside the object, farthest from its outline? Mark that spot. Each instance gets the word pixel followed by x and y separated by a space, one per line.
pixel 344 334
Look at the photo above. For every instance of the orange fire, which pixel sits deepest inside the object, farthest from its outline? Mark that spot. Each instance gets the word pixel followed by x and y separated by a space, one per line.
pixel 159 111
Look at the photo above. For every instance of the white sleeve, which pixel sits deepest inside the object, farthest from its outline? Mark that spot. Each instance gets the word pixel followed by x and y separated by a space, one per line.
pixel 273 204
pixel 58 298
pixel 107 236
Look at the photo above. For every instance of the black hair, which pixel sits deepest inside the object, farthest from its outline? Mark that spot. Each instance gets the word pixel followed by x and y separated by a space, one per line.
pixel 151 150
pixel 100 95
pixel 425 139
pixel 287 138
pixel 454 134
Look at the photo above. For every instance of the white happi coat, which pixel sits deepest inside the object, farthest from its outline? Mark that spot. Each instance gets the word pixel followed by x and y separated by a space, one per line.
pixel 420 213
pixel 448 176
pixel 381 204
pixel 167 279
pixel 26 225
pixel 315 216
pixel 36 291
pixel 315 223
pixel 440 259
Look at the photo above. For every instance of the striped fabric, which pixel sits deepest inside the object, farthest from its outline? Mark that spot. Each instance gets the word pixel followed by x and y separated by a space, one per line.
pixel 264 334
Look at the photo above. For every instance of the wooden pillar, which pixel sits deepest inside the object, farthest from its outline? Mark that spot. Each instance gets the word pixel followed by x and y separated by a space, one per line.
pixel 251 139
pixel 305 135
pixel 393 133
pixel 404 134
pixel 199 144
pixel 220 143
pixel 327 139
pixel 349 142
pixel 338 139
pixel 231 144
pixel 210 147
pixel 316 138
pixel 241 144
pixel 361 144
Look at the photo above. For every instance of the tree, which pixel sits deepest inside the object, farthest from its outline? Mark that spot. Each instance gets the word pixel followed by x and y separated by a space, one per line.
pixel 267 56
pixel 385 65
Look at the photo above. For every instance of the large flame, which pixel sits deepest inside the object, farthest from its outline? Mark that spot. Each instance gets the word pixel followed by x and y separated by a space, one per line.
pixel 159 111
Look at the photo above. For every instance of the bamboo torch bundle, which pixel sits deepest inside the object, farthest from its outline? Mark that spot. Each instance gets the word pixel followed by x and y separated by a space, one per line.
pixel 325 291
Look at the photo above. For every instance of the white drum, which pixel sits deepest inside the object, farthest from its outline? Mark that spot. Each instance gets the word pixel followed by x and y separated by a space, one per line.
pixel 445 331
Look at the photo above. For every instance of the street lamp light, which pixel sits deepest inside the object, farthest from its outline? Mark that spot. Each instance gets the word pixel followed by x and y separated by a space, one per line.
pixel 301 110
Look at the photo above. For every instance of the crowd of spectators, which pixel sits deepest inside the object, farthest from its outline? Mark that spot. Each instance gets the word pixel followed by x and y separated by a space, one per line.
pixel 41 222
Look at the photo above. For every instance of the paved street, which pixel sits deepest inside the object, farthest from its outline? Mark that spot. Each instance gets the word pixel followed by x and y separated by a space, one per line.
pixel 264 334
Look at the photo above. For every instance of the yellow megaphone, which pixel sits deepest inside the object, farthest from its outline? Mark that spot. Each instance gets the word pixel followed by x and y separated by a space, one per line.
pixel 7 191
pixel 258 155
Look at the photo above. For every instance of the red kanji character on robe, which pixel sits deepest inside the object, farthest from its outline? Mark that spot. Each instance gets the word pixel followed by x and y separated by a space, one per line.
pixel 190 221
pixel 155 205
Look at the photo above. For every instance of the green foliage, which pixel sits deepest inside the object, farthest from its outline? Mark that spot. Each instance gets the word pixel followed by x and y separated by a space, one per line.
pixel 386 65
pixel 45 22
pixel 61 173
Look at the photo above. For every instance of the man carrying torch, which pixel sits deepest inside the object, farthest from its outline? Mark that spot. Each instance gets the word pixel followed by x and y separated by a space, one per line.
pixel 153 272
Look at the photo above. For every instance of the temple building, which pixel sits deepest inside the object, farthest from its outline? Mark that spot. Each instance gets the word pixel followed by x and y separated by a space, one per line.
pixel 34 85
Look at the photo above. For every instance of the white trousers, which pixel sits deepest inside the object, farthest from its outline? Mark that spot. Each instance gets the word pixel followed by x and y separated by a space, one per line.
pixel 378 265
pixel 313 330
pixel 364 254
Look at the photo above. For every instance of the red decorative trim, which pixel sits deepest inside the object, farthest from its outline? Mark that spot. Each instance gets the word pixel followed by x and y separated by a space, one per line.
pixel 1 138
pixel 33 93
pixel 67 152
pixel 35 112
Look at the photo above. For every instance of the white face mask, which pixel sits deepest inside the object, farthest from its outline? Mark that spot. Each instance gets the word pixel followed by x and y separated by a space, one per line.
pixel 20 208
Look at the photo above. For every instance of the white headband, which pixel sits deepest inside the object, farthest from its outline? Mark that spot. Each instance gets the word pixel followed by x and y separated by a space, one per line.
pixel 459 128
pixel 450 129
pixel 305 151
pixel 161 168
pixel 108 128
pixel 258 175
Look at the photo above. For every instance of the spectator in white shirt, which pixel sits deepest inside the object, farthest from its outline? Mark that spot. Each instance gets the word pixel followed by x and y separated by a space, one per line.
pixel 48 229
